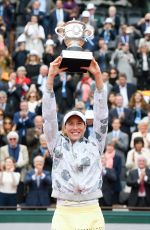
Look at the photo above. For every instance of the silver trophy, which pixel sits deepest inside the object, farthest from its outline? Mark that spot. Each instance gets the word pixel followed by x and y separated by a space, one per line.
pixel 75 34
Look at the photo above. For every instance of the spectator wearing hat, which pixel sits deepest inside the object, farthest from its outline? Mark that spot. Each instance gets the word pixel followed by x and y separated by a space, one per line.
pixel 49 52
pixel 33 65
pixel 35 35
pixel 89 114
pixel 19 56
pixel 20 154
pixel 90 43
pixel 108 33
pixel 94 19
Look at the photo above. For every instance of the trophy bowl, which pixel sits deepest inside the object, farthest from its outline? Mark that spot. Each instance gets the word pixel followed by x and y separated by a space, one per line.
pixel 75 34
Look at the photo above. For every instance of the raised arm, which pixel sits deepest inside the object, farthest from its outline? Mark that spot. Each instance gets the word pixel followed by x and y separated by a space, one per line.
pixel 100 108
pixel 49 106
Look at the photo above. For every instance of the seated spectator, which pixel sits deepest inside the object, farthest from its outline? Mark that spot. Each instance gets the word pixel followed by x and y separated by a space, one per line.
pixel 144 23
pixel 124 88
pixel 9 181
pixel 109 178
pixel 5 129
pixel 22 120
pixel 20 154
pixel 141 132
pixel 38 182
pixel 138 179
pixel 4 105
pixel 80 106
pixel 139 106
pixel 138 150
pixel 113 161
pixel 33 64
pixel 95 19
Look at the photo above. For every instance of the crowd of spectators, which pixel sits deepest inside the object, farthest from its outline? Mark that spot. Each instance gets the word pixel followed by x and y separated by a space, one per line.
pixel 28 43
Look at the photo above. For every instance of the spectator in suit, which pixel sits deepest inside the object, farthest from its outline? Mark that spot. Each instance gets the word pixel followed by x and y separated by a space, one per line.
pixel 108 33
pixel 33 135
pixel 125 36
pixel 64 87
pixel 113 161
pixel 22 120
pixel 124 88
pixel 112 13
pixel 20 154
pixel 102 55
pixel 125 115
pixel 42 78
pixel 139 181
pixel 121 143
pixel 56 16
pixel 9 180
pixel 144 23
pixel 4 105
pixel 109 178
pixel 38 182
pixel 133 154
pixel 141 132
pixel 42 150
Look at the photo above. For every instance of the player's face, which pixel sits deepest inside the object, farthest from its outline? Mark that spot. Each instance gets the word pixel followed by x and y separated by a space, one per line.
pixel 75 128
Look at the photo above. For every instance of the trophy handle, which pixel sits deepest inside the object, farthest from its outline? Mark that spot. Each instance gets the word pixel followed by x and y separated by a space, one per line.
pixel 61 31
pixel 88 33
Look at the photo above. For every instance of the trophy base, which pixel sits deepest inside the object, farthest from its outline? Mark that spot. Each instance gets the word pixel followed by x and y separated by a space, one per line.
pixel 74 59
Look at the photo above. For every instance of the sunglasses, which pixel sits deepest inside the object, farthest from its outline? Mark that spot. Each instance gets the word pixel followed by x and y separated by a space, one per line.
pixel 147 20
pixel 12 139
pixel 7 123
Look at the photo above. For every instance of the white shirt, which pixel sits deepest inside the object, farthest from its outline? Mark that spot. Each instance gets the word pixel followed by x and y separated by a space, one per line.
pixel 7 185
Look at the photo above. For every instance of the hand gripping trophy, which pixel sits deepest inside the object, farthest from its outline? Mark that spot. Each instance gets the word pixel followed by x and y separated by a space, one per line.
pixel 75 34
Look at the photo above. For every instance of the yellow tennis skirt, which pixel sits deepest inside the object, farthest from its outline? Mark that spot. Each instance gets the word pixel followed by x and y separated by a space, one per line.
pixel 88 217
